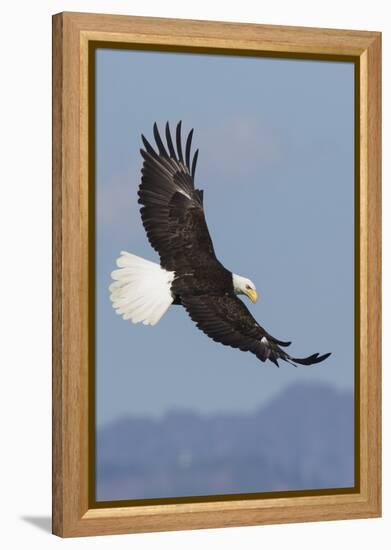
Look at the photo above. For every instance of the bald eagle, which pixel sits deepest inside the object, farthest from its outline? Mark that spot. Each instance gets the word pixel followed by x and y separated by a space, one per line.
pixel 189 273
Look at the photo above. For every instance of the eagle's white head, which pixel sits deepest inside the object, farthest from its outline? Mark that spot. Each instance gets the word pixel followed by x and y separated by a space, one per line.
pixel 244 286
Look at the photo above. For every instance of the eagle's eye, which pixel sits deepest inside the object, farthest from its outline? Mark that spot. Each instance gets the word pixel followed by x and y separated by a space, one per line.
pixel 248 287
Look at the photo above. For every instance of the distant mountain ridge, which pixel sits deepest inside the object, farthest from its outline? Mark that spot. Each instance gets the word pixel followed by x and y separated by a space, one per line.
pixel 302 439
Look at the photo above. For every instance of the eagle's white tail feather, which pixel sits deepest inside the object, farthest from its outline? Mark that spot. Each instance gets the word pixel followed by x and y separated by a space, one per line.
pixel 141 291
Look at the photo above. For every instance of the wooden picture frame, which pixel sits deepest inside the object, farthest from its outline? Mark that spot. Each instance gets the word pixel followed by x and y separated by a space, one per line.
pixel 74 36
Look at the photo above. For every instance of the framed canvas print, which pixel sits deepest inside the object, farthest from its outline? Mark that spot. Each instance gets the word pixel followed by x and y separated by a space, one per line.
pixel 216 274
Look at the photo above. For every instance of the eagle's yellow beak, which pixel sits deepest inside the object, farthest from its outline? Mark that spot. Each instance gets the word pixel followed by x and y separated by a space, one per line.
pixel 252 294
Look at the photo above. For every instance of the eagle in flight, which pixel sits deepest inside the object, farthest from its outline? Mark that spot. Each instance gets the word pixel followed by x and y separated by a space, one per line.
pixel 189 273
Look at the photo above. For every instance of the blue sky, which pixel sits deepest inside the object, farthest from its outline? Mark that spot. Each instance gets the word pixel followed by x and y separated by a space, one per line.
pixel 276 163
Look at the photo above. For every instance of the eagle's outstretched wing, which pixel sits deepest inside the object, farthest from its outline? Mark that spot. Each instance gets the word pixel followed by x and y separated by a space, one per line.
pixel 227 320
pixel 172 209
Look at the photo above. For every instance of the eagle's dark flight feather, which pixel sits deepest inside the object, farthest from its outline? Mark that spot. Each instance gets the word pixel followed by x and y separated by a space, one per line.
pixel 227 320
pixel 172 210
